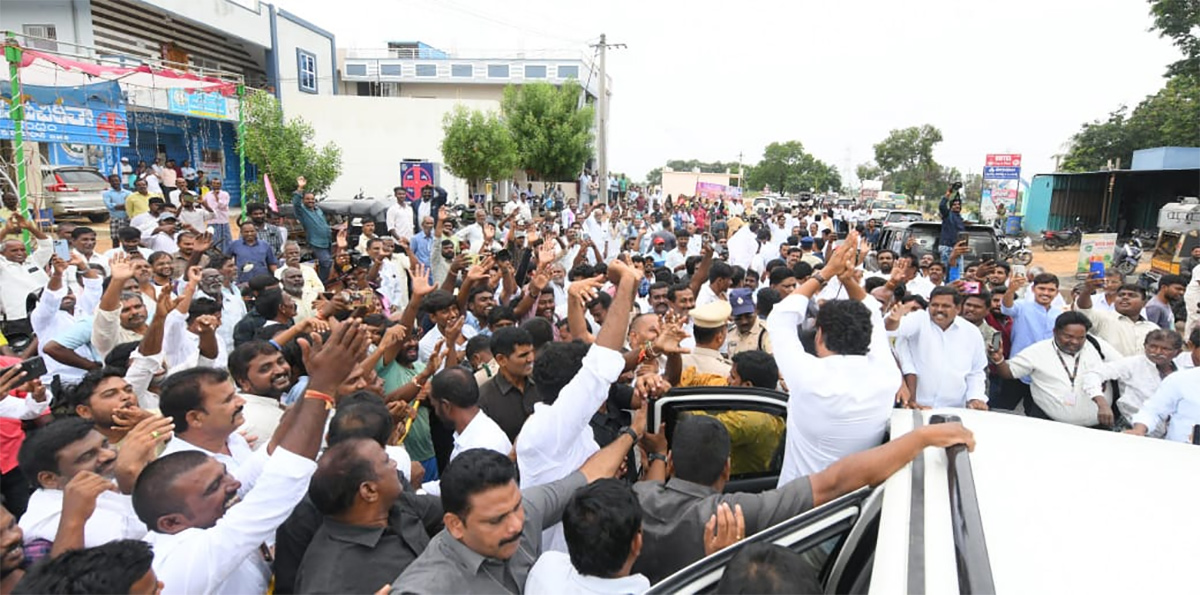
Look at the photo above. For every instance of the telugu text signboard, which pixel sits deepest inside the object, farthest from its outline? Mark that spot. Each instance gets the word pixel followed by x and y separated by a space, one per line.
pixel 86 115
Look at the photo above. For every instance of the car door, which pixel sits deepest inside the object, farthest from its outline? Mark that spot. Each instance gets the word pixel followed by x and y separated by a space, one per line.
pixel 817 535
pixel 757 422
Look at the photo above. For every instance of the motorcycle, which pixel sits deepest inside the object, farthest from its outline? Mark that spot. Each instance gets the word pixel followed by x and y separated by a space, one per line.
pixel 1057 240
pixel 1127 255
pixel 1015 249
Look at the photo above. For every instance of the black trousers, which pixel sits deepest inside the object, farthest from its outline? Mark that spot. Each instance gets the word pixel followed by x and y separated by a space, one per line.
pixel 1012 393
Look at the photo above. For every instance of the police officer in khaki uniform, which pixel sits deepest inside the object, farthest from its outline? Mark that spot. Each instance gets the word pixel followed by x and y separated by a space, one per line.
pixel 709 332
pixel 749 333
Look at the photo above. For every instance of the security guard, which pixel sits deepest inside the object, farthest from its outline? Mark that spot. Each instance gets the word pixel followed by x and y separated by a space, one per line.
pixel 709 331
pixel 750 333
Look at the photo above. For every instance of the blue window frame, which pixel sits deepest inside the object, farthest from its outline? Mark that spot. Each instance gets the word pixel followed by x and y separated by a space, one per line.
pixel 462 70
pixel 391 70
pixel 497 71
pixel 535 71
pixel 306 70
pixel 426 69
pixel 356 70
pixel 568 72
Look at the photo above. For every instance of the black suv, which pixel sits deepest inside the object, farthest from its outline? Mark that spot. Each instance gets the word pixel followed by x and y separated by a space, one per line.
pixel 896 235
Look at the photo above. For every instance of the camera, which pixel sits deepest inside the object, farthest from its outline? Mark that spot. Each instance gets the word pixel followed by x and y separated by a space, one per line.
pixel 955 187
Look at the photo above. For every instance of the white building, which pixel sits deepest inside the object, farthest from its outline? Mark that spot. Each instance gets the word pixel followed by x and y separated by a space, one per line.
pixel 392 102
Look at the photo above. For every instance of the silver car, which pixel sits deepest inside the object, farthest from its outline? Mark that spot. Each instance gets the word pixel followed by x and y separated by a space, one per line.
pixel 74 190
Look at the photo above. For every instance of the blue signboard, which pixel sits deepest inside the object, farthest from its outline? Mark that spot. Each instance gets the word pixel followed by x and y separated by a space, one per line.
pixel 996 172
pixel 87 114
pixel 198 103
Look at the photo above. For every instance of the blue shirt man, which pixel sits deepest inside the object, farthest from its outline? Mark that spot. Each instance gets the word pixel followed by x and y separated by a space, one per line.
pixel 952 225
pixel 423 242
pixel 252 256
pixel 115 197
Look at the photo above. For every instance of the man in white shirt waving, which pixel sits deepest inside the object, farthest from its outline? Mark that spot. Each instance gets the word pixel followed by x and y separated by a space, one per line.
pixel 941 354
pixel 206 539
pixel 841 399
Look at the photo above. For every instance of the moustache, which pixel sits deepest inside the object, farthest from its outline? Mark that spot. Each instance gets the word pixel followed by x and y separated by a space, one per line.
pixel 513 539
pixel 236 413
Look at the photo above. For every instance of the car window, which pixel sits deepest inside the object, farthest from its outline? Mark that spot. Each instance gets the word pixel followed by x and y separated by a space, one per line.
pixel 756 439
pixel 80 176
pixel 898 217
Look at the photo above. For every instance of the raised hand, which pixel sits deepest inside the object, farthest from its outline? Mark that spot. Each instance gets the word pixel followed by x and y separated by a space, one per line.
pixel 139 447
pixel 723 529
pixel 203 242
pixel 326 360
pixel 301 182
pixel 436 357
pixel 129 417
pixel 546 254
pixel 10 378
pixel 585 290
pixel 59 265
pixel 420 280
pixel 649 386
pixel 120 267
pixel 670 335
pixel 81 493
pixel 619 270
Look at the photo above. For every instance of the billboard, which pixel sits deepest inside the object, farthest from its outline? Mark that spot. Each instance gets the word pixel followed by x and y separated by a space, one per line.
pixel 1099 247
pixel 711 191
pixel 1001 182
pixel 86 115
pixel 203 104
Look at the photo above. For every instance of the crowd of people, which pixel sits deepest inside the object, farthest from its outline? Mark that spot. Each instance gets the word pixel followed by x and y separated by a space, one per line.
pixel 429 404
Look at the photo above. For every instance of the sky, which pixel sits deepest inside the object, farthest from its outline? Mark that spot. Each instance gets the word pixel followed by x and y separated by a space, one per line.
pixel 707 80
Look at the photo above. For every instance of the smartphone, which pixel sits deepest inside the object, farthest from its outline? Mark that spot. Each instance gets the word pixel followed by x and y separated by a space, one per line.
pixel 1018 269
pixel 34 367
pixel 970 288
pixel 997 342
pixel 963 237
pixel 62 250
pixel 1096 269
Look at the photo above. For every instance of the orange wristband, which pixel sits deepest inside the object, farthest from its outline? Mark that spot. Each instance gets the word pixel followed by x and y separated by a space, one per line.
pixel 320 396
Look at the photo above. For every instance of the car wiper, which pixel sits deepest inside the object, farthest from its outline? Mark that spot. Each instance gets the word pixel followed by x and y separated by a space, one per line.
pixel 970 546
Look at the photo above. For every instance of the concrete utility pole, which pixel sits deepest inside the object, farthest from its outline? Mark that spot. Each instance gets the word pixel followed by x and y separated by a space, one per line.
pixel 602 115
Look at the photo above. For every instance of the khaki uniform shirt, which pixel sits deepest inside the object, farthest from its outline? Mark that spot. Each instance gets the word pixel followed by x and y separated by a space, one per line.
pixel 707 361
pixel 756 339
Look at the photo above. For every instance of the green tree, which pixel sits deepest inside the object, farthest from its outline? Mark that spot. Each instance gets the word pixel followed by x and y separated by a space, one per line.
pixel 1179 20
pixel 654 178
pixel 284 150
pixel 477 146
pixel 1167 118
pixel 868 171
pixel 553 133
pixel 787 167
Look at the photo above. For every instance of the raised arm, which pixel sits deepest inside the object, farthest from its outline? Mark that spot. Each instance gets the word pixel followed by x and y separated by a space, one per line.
pixel 873 467
pixel 701 275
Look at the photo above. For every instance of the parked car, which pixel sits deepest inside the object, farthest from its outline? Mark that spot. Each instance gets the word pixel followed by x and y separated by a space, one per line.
pixel 895 236
pixel 1036 508
pixel 903 216
pixel 74 190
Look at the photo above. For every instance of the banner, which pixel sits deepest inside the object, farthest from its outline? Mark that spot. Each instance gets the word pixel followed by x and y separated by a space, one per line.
pixel 1001 182
pixel 87 115
pixel 711 191
pixel 201 104
pixel 415 175
pixel 1095 246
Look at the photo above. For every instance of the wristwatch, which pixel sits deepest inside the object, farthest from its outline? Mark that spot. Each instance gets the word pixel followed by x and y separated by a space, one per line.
pixel 657 456
pixel 819 277
pixel 630 431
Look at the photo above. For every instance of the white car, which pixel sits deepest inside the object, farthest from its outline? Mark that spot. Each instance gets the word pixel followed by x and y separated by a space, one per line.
pixel 1038 507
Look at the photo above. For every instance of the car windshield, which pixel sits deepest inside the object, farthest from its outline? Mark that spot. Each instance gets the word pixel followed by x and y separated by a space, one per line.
pixel 980 241
pixel 80 176
pixel 901 217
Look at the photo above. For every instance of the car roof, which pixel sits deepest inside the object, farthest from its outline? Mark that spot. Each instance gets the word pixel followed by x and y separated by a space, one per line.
pixel 1064 509
pixel 937 224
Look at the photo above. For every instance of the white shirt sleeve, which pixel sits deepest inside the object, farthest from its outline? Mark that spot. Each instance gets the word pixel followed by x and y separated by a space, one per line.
pixel 1156 409
pixel 977 376
pixel 782 325
pixel 139 375
pixel 26 408
pixel 201 562
pixel 47 307
pixel 566 419
pixel 89 299
pixel 106 330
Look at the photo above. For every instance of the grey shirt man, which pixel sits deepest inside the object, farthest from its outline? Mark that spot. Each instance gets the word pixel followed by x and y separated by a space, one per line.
pixel 448 566
pixel 675 511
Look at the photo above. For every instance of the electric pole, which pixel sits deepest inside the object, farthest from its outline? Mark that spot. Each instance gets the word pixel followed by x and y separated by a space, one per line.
pixel 602 114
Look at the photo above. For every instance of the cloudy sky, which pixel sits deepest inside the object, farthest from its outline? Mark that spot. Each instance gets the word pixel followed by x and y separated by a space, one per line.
pixel 709 80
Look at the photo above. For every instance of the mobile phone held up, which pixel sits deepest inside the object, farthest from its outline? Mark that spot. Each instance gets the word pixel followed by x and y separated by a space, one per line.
pixel 62 250
pixel 34 367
